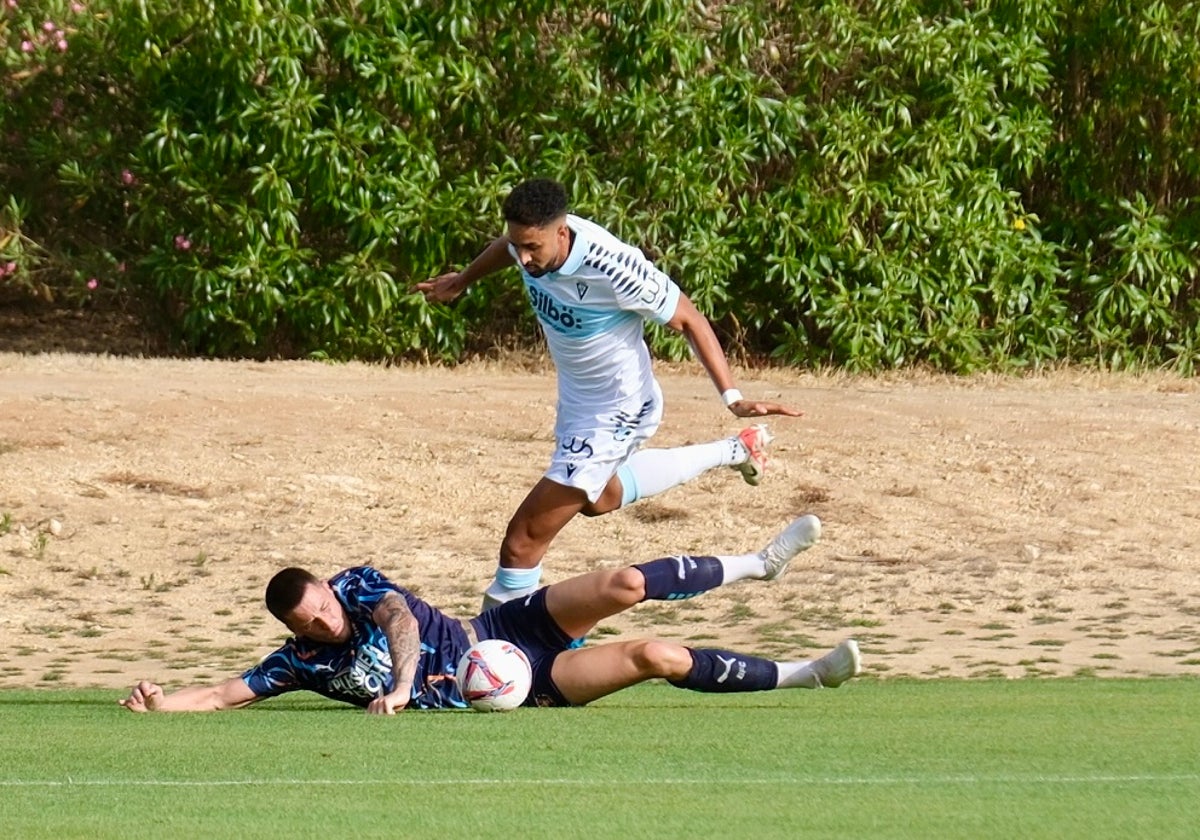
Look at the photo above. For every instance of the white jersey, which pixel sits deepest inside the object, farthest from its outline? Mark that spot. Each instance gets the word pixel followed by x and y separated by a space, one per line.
pixel 593 311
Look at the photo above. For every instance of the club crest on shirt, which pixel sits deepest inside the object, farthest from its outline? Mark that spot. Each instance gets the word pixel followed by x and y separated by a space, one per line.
pixel 582 288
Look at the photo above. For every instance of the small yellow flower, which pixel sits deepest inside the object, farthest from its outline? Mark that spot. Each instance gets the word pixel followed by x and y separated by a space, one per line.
pixel 1019 223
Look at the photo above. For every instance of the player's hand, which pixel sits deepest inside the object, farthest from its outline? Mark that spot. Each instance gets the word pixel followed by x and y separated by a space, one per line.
pixel 758 408
pixel 144 697
pixel 443 288
pixel 387 704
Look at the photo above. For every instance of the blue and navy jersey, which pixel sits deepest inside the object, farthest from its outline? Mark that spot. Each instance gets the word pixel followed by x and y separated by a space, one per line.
pixel 361 669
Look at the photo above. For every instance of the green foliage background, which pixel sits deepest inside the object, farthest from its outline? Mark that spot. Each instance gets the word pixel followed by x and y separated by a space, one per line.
pixel 998 184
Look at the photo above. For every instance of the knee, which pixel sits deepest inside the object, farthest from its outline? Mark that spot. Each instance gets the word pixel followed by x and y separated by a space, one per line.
pixel 610 500
pixel 519 550
pixel 599 507
pixel 665 660
pixel 627 586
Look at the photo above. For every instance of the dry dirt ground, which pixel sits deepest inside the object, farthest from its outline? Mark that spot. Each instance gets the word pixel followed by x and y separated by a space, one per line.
pixel 973 527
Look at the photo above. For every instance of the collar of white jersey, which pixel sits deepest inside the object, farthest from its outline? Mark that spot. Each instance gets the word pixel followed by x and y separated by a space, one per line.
pixel 578 250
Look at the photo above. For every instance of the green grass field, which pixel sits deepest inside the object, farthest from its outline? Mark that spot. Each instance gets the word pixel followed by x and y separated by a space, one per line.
pixel 1058 758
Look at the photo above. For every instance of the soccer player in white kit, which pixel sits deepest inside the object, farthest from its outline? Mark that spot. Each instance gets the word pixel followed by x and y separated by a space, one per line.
pixel 592 294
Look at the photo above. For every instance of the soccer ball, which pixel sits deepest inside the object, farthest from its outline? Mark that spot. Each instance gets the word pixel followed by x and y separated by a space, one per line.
pixel 494 676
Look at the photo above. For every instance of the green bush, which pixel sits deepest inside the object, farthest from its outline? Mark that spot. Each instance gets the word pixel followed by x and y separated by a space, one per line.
pixel 1126 178
pixel 57 234
pixel 869 184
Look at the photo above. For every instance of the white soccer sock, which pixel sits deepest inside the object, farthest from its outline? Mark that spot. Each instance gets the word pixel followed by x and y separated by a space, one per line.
pixel 742 567
pixel 797 675
pixel 651 471
pixel 510 584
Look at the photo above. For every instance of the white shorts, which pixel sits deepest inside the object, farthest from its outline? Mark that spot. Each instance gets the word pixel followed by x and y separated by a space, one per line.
pixel 588 452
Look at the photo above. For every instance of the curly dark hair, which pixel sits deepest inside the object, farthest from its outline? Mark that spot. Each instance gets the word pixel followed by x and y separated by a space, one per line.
pixel 537 203
pixel 286 589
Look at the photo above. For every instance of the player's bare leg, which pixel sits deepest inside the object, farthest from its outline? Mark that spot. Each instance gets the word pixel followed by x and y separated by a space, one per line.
pixel 549 506
pixel 587 674
pixel 544 512
pixel 579 603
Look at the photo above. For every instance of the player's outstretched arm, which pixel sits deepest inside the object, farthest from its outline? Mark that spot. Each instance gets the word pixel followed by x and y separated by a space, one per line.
pixel 446 287
pixel 689 321
pixel 150 697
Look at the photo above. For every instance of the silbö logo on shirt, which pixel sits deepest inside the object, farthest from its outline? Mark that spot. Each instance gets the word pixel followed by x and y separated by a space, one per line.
pixel 553 311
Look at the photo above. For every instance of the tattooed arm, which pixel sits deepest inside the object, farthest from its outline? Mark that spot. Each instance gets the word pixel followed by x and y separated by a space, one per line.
pixel 400 626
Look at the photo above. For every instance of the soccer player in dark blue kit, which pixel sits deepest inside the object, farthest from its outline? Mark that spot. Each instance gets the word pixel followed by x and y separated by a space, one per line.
pixel 362 639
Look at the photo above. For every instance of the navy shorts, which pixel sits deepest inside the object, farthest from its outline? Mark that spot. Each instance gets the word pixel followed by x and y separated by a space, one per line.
pixel 527 624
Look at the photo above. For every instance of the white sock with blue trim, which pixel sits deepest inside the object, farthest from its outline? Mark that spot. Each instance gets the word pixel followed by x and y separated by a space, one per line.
pixel 510 584
pixel 649 472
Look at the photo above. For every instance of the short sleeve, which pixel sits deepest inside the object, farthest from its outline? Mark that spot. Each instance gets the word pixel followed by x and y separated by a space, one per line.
pixel 275 674
pixel 639 285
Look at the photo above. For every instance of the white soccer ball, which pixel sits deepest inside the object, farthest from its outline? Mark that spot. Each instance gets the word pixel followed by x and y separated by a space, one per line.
pixel 494 676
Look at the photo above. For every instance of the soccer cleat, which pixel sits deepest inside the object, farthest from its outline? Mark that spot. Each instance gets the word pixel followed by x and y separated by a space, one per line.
pixel 839 665
pixel 801 535
pixel 755 439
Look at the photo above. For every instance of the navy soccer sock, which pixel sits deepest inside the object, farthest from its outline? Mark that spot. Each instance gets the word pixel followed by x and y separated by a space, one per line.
pixel 675 578
pixel 722 670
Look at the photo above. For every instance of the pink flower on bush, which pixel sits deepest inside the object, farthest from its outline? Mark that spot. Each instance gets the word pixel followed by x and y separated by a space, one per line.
pixel 62 45
pixel 121 267
pixel 26 46
pixel 182 242
pixel 77 7
pixel 127 177
pixel 11 268
pixel 49 26
pixel 93 283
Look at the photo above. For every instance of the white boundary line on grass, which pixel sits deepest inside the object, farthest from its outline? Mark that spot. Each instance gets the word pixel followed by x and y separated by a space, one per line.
pixel 1141 778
